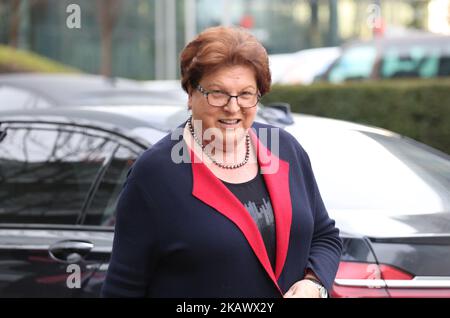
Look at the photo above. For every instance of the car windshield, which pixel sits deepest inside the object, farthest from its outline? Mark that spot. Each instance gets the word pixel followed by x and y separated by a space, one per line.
pixel 355 63
pixel 389 175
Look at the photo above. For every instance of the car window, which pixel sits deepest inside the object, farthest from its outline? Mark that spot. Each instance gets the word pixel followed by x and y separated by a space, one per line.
pixel 415 61
pixel 46 172
pixel 102 208
pixel 355 63
pixel 444 65
pixel 17 98
pixel 431 165
pixel 361 172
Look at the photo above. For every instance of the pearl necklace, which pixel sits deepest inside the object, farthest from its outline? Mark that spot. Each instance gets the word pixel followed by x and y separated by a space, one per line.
pixel 220 165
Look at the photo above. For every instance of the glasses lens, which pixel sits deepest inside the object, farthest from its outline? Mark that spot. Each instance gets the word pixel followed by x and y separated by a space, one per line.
pixel 247 100
pixel 217 99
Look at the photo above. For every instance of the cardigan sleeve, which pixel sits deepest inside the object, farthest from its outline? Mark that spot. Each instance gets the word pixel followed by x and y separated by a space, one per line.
pixel 326 245
pixel 134 253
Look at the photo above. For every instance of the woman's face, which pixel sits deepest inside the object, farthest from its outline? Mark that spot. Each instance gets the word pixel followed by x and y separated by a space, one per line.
pixel 229 123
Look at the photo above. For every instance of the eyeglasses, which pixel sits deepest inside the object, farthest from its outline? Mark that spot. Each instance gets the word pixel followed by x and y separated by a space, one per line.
pixel 221 99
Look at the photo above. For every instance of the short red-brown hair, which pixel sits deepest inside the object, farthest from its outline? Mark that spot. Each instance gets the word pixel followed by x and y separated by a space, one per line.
pixel 217 47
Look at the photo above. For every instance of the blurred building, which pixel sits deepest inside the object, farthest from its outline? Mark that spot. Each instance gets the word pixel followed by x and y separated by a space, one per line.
pixel 142 38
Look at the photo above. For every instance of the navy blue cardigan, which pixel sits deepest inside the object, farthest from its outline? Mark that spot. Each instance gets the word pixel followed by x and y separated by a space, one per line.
pixel 181 233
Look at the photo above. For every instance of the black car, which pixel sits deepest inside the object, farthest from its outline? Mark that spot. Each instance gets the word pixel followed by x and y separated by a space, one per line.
pixel 62 169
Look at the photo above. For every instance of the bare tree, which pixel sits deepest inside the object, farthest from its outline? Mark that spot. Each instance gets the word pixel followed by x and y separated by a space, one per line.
pixel 14 23
pixel 314 33
pixel 108 11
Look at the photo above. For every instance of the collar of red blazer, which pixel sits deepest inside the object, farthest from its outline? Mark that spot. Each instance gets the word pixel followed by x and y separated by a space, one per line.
pixel 210 190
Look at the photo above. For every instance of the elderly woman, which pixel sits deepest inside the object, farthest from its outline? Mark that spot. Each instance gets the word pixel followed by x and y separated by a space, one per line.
pixel 243 216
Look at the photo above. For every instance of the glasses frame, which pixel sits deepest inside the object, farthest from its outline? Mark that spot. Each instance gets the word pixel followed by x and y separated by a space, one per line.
pixel 206 93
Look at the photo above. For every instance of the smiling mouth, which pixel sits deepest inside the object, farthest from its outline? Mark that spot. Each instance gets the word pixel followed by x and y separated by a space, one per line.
pixel 229 121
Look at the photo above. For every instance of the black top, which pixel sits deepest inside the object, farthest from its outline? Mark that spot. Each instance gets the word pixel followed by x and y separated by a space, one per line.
pixel 254 196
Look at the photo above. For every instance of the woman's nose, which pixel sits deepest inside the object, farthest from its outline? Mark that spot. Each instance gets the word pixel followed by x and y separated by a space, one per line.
pixel 232 105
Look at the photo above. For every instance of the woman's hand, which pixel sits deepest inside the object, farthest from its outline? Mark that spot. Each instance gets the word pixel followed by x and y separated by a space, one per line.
pixel 303 289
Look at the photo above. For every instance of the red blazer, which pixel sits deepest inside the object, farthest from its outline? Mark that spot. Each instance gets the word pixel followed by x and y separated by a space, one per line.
pixel 181 233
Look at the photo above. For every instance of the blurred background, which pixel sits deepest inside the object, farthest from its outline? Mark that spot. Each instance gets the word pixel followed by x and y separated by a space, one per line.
pixel 141 39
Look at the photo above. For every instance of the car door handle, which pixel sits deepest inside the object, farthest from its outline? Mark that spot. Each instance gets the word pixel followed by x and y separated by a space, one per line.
pixel 70 251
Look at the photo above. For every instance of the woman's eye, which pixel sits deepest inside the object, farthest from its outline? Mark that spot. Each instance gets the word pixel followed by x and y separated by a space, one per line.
pixel 218 93
pixel 246 94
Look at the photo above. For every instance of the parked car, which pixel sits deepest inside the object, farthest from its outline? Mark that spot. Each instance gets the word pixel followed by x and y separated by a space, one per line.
pixel 62 169
pixel 302 67
pixel 422 55
pixel 170 87
pixel 41 90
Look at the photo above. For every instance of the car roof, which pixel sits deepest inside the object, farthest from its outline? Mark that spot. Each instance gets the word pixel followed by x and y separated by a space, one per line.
pixel 407 39
pixel 73 89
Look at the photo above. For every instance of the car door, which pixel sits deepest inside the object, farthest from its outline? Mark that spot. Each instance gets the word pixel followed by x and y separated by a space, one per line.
pixel 48 173
pixel 98 219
